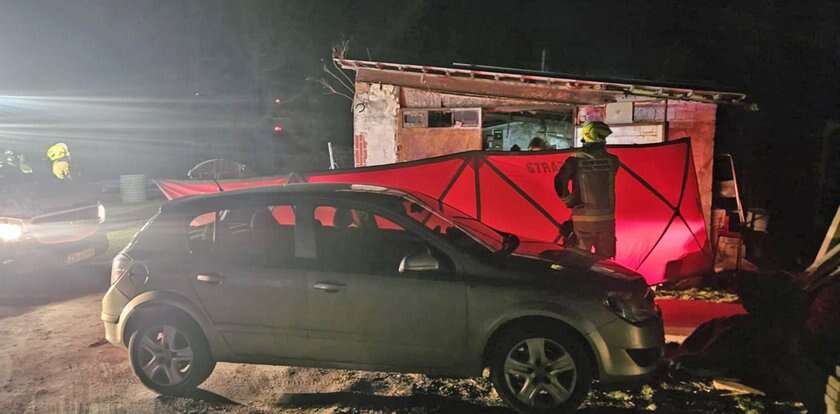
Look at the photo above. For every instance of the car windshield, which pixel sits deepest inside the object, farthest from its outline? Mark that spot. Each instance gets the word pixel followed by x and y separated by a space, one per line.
pixel 452 223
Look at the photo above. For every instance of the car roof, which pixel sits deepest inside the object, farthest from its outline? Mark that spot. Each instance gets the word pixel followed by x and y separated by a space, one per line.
pixel 332 190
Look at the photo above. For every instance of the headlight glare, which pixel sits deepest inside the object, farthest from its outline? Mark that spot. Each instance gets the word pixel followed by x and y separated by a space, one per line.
pixel 10 231
pixel 634 307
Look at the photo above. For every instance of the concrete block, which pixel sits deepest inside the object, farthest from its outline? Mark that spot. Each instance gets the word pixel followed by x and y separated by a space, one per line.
pixel 362 87
pixel 590 113
pixel 832 406
pixel 619 113
pixel 832 389
pixel 645 114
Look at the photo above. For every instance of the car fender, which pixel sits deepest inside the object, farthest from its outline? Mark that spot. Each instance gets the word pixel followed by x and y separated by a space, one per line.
pixel 165 298
pixel 552 310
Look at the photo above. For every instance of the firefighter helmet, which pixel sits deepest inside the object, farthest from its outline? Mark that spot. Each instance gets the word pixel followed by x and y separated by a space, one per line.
pixel 58 151
pixel 595 132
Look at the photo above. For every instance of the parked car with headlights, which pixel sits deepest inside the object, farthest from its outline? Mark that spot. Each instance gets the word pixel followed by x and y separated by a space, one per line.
pixel 361 277
pixel 45 222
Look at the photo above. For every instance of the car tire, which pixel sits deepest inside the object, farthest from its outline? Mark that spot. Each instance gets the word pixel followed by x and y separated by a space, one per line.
pixel 170 355
pixel 551 359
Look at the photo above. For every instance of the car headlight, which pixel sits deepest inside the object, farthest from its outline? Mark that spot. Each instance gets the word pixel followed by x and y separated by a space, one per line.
pixel 100 214
pixel 121 264
pixel 10 231
pixel 634 307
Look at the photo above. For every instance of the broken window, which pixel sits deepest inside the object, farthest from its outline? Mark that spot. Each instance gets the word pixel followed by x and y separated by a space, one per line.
pixel 441 118
pixel 466 119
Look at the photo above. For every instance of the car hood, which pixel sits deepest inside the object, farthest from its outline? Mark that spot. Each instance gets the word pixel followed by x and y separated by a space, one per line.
pixel 551 260
pixel 37 197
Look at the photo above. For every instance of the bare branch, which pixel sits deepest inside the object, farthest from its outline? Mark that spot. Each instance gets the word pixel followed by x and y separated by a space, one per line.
pixel 340 81
pixel 340 51
pixel 330 88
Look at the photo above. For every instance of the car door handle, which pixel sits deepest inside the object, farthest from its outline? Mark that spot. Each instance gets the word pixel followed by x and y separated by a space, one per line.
pixel 210 278
pixel 330 287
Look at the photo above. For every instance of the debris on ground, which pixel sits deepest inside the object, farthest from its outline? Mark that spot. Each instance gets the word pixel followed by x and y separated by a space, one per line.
pixel 704 293
pixel 734 387
pixel 686 394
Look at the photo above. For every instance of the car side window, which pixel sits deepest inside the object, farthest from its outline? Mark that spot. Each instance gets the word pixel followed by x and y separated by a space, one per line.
pixel 442 228
pixel 258 235
pixel 357 240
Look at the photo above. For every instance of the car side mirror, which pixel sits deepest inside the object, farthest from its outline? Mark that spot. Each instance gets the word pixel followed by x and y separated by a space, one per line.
pixel 419 262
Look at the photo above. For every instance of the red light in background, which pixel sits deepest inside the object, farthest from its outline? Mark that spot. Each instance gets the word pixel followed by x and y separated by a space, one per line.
pixel 277 100
pixel 278 129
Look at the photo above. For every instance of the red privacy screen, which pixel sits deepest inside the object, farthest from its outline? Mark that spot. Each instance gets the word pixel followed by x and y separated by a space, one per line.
pixel 660 229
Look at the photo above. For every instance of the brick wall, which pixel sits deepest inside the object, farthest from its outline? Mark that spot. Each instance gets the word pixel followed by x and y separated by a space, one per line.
pixel 375 112
pixel 694 120
pixel 697 121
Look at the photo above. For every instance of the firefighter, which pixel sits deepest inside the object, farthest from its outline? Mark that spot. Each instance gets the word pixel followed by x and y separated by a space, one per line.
pixel 591 171
pixel 59 155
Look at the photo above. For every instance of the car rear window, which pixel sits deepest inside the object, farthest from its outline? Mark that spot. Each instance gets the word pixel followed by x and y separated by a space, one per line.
pixel 160 234
pixel 253 235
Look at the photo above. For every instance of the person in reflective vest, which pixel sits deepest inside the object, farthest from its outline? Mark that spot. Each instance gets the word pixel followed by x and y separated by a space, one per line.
pixel 591 171
pixel 11 160
pixel 59 155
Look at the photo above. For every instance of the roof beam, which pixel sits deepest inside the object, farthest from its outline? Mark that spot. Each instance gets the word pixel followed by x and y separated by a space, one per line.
pixel 535 87
pixel 484 87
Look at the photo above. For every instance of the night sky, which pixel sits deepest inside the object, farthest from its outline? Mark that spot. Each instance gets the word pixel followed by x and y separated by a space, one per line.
pixel 785 55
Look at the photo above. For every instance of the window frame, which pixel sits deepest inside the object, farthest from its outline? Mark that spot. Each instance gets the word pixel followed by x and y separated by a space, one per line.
pixel 234 203
pixel 424 114
pixel 451 262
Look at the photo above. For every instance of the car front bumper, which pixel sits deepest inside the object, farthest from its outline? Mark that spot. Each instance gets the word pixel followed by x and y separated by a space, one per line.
pixel 627 353
pixel 112 333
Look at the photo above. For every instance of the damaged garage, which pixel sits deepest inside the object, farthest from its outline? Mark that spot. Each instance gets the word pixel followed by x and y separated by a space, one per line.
pixel 407 112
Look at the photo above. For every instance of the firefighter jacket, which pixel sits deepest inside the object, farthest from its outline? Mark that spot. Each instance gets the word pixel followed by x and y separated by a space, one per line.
pixel 592 173
pixel 61 169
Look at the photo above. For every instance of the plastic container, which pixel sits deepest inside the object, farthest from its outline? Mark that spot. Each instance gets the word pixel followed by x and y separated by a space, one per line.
pixel 133 188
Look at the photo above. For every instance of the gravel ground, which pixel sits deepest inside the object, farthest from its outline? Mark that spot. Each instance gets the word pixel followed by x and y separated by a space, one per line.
pixel 53 359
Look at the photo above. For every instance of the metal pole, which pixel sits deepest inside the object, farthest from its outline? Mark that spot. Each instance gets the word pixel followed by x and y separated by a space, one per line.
pixel 332 158
pixel 542 62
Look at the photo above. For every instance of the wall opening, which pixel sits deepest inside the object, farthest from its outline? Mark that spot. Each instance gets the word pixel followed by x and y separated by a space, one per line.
pixel 502 131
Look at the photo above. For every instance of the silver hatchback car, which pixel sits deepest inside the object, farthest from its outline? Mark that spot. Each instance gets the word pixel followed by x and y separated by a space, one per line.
pixel 369 278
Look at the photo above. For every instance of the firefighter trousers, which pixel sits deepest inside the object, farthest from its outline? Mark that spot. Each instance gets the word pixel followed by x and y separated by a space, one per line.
pixel 596 235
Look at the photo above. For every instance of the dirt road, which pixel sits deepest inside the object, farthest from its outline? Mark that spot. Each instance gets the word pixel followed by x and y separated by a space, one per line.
pixel 53 359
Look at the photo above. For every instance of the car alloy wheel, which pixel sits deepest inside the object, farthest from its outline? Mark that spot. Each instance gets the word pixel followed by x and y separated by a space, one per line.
pixel 169 352
pixel 540 373
pixel 166 355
